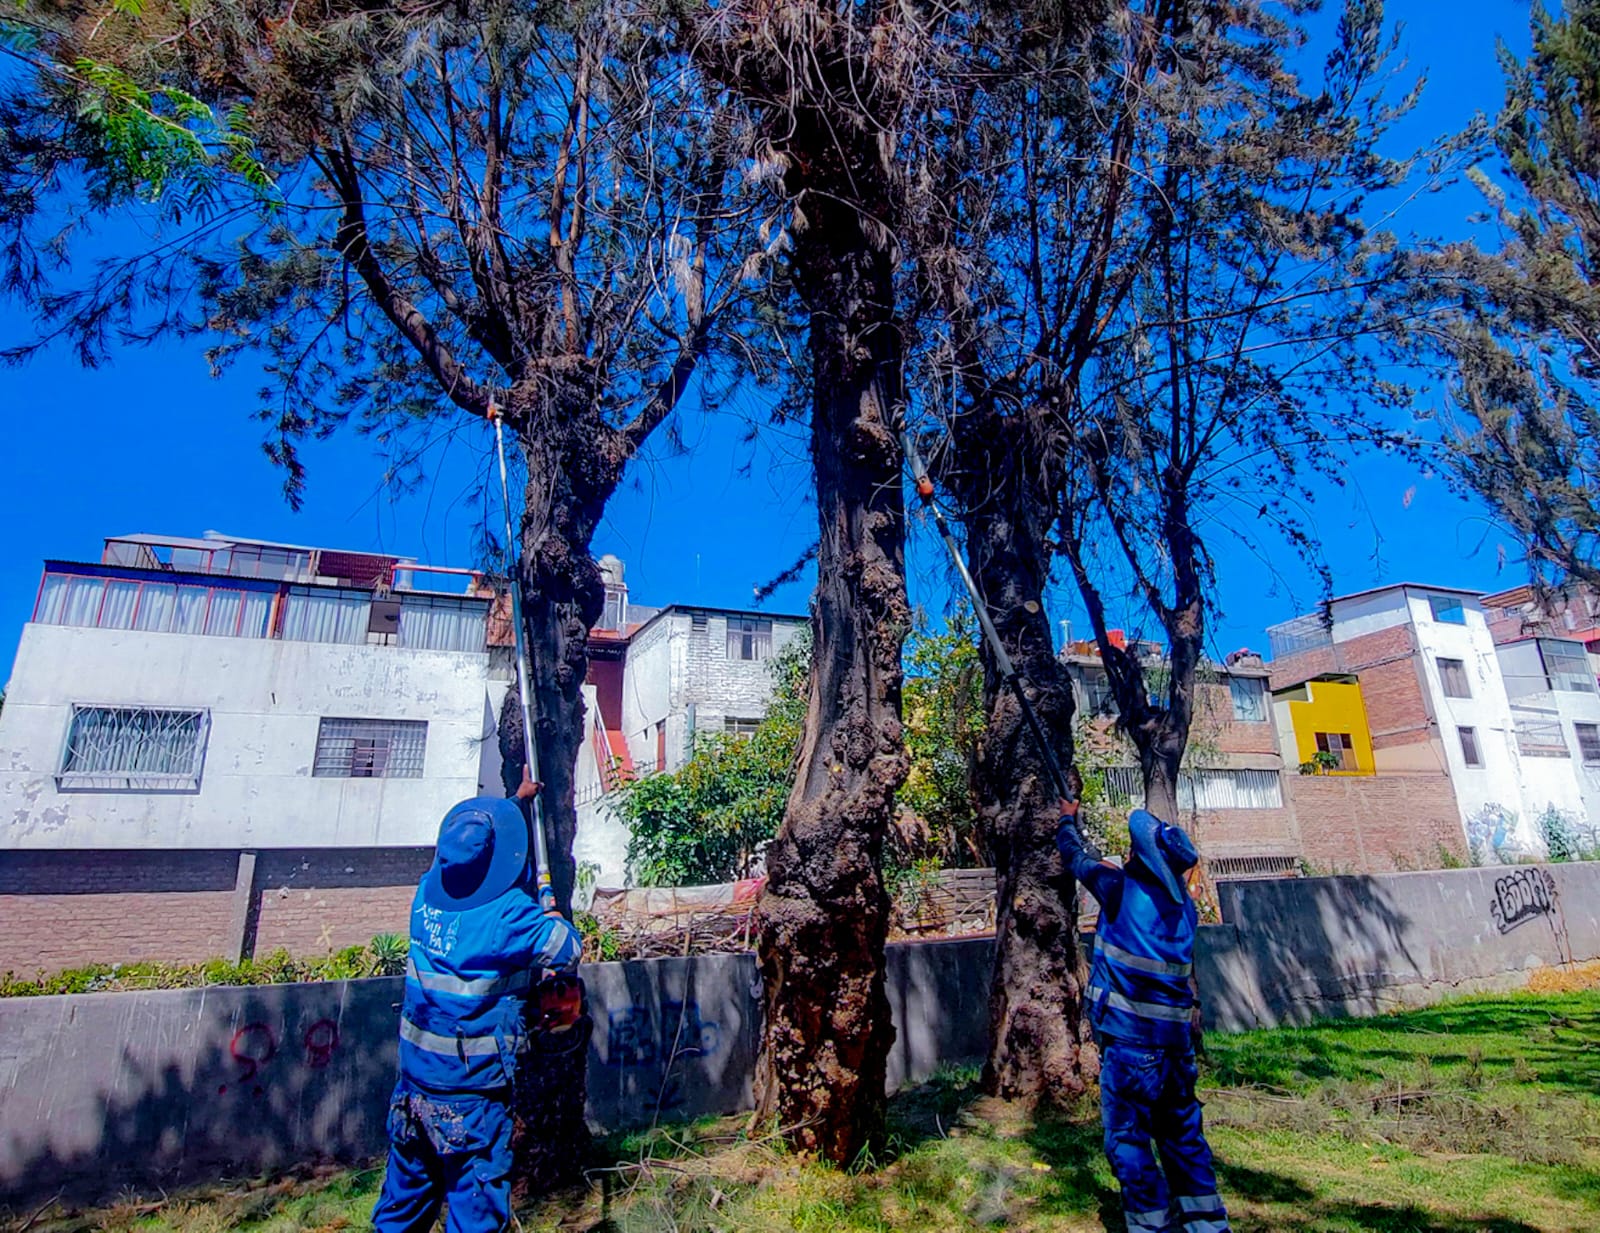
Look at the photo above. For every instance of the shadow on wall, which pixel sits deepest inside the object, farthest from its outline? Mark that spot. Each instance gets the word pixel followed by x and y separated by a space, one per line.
pixel 1296 949
pixel 275 1076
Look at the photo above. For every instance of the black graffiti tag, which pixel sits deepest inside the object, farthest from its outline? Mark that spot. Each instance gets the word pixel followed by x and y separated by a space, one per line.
pixel 1520 896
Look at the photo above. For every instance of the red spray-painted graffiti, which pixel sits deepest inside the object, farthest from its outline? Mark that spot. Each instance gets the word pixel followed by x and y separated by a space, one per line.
pixel 255 1045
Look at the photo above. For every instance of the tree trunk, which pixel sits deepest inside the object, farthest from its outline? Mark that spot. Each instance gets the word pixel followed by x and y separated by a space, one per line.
pixel 824 916
pixel 1159 770
pixel 1035 1029
pixel 562 597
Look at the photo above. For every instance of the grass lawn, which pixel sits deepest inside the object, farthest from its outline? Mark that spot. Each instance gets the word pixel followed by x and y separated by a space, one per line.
pixel 1479 1114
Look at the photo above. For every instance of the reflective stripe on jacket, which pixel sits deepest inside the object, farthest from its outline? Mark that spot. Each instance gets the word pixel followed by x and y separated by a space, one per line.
pixel 1143 956
pixel 467 980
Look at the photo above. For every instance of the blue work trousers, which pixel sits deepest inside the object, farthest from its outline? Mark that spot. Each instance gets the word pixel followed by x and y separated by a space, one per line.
pixel 454 1150
pixel 1149 1110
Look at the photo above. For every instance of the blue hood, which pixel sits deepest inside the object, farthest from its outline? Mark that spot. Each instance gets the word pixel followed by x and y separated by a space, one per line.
pixel 1164 850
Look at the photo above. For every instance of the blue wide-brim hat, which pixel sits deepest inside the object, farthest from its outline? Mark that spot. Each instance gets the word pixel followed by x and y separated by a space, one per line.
pixel 482 853
pixel 1164 850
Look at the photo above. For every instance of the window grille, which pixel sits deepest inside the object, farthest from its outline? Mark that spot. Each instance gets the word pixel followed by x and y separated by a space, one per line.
pixel 1588 742
pixel 370 749
pixel 133 747
pixel 1539 738
pixel 1246 868
pixel 1208 789
pixel 735 726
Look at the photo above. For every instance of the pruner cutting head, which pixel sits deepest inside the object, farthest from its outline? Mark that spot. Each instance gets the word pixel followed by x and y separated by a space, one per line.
pixel 495 413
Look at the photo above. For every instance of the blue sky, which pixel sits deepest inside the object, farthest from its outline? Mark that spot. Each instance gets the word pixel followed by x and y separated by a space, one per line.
pixel 152 443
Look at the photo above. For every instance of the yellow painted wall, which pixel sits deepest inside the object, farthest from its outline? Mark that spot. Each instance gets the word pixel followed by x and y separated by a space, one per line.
pixel 1332 707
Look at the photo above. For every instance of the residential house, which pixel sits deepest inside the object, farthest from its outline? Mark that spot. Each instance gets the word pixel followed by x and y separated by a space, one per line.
pixel 1232 796
pixel 659 678
pixel 220 746
pixel 1424 737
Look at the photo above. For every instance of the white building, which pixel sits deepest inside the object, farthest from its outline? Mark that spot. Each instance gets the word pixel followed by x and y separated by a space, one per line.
pixel 658 679
pixel 305 715
pixel 1502 721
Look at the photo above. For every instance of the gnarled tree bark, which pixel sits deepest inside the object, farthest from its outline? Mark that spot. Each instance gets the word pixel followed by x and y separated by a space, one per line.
pixel 1003 482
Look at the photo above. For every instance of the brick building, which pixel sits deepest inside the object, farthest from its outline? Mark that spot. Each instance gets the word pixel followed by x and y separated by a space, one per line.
pixel 658 679
pixel 1231 795
pixel 1422 737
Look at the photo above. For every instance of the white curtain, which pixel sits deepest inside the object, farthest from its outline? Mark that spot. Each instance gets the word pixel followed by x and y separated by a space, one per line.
pixel 117 611
pixel 156 607
pixel 326 616
pixel 442 625
pixel 83 601
pixel 52 599
pixel 129 742
pixel 191 611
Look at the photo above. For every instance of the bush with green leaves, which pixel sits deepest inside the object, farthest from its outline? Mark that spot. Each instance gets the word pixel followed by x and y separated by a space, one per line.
pixel 943 706
pixel 385 955
pixel 708 821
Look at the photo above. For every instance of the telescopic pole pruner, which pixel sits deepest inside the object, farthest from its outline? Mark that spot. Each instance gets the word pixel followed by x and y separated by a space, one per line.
pixel 530 744
pixel 1002 661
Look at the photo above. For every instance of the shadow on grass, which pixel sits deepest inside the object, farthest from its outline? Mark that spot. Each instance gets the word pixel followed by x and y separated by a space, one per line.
pixel 1554 1035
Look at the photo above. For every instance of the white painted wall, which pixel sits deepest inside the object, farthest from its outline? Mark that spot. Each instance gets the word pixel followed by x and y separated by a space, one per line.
pixel 265 698
pixel 1490 796
pixel 1367 614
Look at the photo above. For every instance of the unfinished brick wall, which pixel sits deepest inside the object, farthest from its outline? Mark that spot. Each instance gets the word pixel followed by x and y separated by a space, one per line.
pixel 64 909
pixel 61 909
pixel 318 900
pixel 1243 832
pixel 1376 823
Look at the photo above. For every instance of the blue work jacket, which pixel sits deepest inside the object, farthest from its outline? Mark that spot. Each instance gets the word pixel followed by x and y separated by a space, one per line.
pixel 1138 991
pixel 467 982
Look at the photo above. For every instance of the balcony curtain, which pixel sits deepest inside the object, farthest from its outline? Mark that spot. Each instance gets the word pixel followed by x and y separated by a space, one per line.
pixel 442 625
pixel 326 616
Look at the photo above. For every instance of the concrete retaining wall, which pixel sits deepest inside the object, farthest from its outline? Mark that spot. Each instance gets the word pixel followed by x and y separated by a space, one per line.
pixel 1299 949
pixel 99 1091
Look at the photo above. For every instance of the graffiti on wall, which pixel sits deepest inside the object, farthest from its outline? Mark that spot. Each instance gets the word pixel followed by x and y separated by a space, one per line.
pixel 254 1047
pixel 1494 837
pixel 632 1039
pixel 1521 896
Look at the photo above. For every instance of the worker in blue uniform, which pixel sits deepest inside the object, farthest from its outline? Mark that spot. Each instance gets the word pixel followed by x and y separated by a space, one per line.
pixel 1141 998
pixel 479 939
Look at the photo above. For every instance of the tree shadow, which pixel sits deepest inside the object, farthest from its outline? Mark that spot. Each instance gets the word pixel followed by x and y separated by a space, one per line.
pixel 278 1078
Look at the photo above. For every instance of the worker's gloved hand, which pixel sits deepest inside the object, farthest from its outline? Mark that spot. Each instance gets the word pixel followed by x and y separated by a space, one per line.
pixel 547 899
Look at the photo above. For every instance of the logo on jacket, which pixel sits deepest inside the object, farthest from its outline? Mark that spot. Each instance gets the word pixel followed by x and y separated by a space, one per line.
pixel 437 934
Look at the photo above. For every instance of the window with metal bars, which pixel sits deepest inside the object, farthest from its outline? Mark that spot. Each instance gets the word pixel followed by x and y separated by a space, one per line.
pixel 370 749
pixel 135 748
pixel 1243 788
pixel 1588 742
